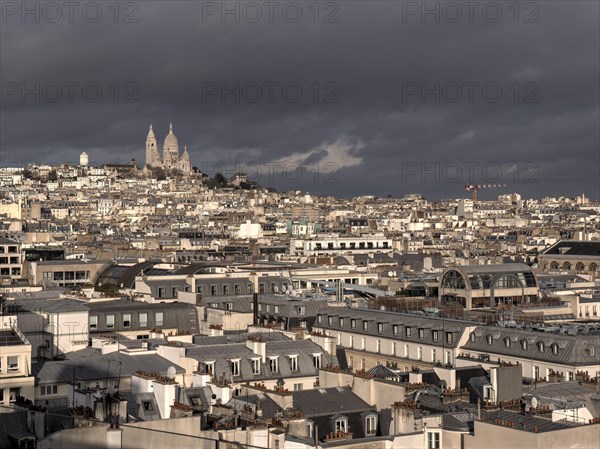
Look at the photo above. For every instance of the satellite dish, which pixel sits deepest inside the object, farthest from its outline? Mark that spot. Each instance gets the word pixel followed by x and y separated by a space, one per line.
pixel 171 372
pixel 534 402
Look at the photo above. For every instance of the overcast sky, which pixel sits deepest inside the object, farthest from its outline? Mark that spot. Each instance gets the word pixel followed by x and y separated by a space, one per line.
pixel 387 91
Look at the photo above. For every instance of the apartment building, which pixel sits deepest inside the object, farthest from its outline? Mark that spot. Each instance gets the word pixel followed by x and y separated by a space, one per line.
pixel 401 341
pixel 16 378
pixel 11 259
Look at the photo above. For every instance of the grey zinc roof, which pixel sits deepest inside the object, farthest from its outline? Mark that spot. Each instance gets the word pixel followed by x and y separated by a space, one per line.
pixel 329 401
pixel 494 268
pixel 93 366
pixel 388 319
pixel 47 305
pixel 572 349
pixel 223 354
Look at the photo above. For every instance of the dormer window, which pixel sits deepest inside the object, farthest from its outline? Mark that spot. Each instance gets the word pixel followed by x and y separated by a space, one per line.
pixel 273 365
pixel 365 326
pixel 380 328
pixel 353 323
pixel 541 346
pixel 255 366
pixel 317 360
pixel 235 367
pixel 507 342
pixel 408 331
pixel 330 320
pixel 554 348
pixel 294 362
pixel 472 337
pixel 421 333
pixel 341 322
pixel 524 344
pixel 371 425
pixel 319 319
pixel 449 338
pixel 490 339
pixel 395 330
pixel 341 424
pixel 435 335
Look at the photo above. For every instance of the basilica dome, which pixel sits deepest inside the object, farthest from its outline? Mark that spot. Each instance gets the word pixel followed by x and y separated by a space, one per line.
pixel 171 140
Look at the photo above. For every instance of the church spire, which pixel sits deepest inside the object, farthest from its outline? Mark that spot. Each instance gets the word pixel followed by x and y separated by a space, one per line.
pixel 171 127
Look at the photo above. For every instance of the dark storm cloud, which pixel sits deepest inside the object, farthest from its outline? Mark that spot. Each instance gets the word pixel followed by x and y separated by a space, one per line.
pixel 360 122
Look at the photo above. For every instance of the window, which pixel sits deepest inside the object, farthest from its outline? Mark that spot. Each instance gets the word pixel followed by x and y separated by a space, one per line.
pixel 363 343
pixel 554 348
pixel 433 440
pixel 435 335
pixel 378 346
pixel 1 393
pixel 395 329
pixel 110 321
pixel 13 393
pixel 365 326
pixel 237 289
pixel 541 346
pixel 447 358
pixel 407 331
pixel 317 360
pixel 524 344
pixel 490 339
pixel 487 393
pixel 225 289
pixel 319 319
pixel 406 351
pixel 353 323
pixel 213 290
pixel 570 376
pixel 228 306
pixel 433 355
pixel 371 425
pixel 209 367
pixel 273 365
pixel 294 362
pixel 421 333
pixel 380 328
pixel 46 390
pixel 341 425
pixel 235 367
pixel 161 292
pixel 341 321
pixel 13 363
pixel 143 319
pixel 362 364
pixel 301 310
pixel 393 348
pixel 351 341
pixel 199 289
pixel 536 372
pixel 330 320
pixel 449 338
pixel 507 342
pixel 255 366
pixel 419 353
pixel 93 322
pixel 159 318
pixel 127 320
